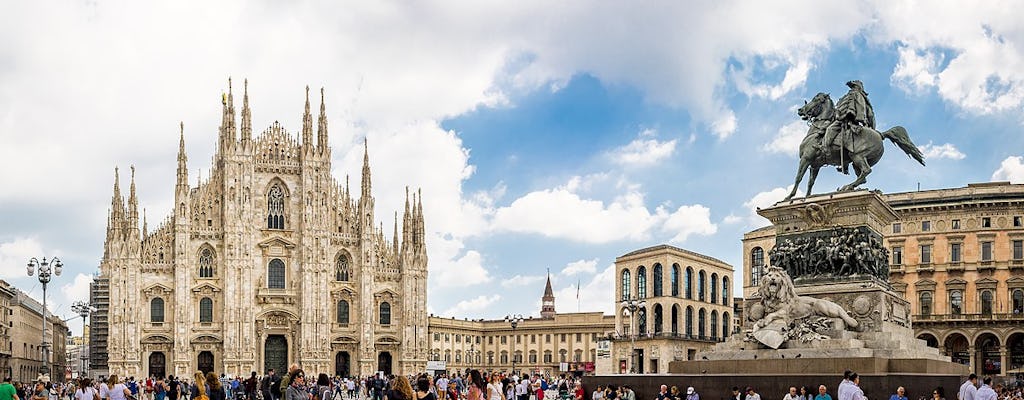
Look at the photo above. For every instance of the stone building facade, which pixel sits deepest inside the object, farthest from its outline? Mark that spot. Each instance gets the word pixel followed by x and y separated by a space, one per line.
pixel 957 255
pixel 26 332
pixel 536 345
pixel 687 307
pixel 266 261
pixel 6 344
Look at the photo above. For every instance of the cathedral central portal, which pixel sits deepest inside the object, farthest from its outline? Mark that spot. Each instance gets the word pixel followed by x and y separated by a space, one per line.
pixel 275 354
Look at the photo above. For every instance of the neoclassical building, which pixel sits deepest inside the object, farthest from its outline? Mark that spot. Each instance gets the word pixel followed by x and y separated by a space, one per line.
pixel 958 256
pixel 686 307
pixel 266 261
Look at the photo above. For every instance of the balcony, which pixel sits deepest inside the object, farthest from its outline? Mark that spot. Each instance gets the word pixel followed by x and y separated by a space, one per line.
pixel 993 317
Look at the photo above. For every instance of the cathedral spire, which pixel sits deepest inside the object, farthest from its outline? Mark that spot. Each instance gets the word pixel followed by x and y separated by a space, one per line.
pixel 133 203
pixel 406 223
pixel 394 236
pixel 246 114
pixel 182 159
pixel 227 124
pixel 307 124
pixel 420 229
pixel 321 127
pixel 116 202
pixel 366 170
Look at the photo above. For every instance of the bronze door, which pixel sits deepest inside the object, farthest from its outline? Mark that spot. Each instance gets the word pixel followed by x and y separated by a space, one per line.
pixel 157 364
pixel 275 354
pixel 205 362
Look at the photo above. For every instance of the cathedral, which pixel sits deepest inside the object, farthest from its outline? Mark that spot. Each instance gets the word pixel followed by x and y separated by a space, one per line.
pixel 265 262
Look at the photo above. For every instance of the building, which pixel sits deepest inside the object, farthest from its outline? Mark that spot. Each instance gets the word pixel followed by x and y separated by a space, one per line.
pixel 26 333
pixel 957 255
pixel 684 307
pixel 534 345
pixel 99 297
pixel 78 354
pixel 6 327
pixel 265 261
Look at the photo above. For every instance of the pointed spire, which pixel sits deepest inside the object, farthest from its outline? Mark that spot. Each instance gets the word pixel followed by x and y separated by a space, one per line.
pixel 307 124
pixel 346 187
pixel 547 287
pixel 117 202
pixel 321 127
pixel 182 159
pixel 421 230
pixel 227 124
pixel 394 236
pixel 547 308
pixel 145 224
pixel 406 223
pixel 133 203
pixel 366 170
pixel 246 114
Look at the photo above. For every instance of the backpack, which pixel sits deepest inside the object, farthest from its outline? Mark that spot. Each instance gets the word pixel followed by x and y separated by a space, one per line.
pixel 160 388
pixel 543 384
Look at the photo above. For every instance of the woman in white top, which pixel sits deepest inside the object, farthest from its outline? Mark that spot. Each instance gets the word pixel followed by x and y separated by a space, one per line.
pixel 494 389
pixel 118 391
pixel 85 390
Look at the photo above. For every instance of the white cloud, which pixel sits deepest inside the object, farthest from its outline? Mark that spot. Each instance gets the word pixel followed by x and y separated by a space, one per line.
pixel 580 267
pixel 14 256
pixel 796 65
pixel 787 140
pixel 521 281
pixel 732 219
pixel 593 295
pixel 947 150
pixel 690 220
pixel 1011 169
pixel 916 69
pixel 643 152
pixel 453 266
pixel 764 200
pixel 471 307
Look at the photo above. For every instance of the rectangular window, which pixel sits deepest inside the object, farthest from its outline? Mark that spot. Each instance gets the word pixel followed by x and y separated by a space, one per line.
pixel 897 255
pixel 926 254
pixel 986 222
pixel 504 339
pixel 593 337
pixel 533 338
pixel 519 338
pixel 1018 249
pixel 897 227
pixel 563 338
pixel 579 337
pixel 955 224
pixel 490 340
pixel 986 251
pixel 954 252
pixel 1016 221
pixel 547 338
pixel 926 226
pixel 458 338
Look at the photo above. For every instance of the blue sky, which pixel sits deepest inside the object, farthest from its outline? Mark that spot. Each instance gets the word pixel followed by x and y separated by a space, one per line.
pixel 544 137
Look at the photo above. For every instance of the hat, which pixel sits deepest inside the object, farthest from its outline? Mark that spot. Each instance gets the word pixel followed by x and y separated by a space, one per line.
pixel 689 390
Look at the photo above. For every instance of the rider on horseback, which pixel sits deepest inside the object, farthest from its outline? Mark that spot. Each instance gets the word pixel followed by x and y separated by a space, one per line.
pixel 853 112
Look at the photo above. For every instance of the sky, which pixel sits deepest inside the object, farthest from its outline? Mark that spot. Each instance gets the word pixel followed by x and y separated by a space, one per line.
pixel 546 136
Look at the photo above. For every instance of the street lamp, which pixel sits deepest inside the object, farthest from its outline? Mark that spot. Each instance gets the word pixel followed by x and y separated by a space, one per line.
pixel 632 305
pixel 83 309
pixel 44 275
pixel 514 321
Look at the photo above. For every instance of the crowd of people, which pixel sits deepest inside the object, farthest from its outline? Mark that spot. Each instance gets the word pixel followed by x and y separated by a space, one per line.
pixel 470 385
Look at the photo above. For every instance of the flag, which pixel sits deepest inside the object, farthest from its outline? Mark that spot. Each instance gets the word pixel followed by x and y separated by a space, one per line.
pixel 577 288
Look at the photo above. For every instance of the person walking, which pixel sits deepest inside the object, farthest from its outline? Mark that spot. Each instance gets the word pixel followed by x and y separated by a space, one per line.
pixel 823 393
pixel 691 394
pixel 118 391
pixel 214 389
pixel 901 394
pixel 792 394
pixel 7 390
pixel 969 389
pixel 751 394
pixel 986 392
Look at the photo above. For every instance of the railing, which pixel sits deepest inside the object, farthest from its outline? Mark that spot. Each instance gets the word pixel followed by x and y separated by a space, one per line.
pixel 1017 316
pixel 671 335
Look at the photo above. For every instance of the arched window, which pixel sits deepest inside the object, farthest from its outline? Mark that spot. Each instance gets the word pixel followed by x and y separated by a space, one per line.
pixel 986 302
pixel 205 310
pixel 1017 298
pixel 725 290
pixel 275 274
pixel 756 265
pixel 926 303
pixel 206 263
pixel 714 288
pixel 657 280
pixel 625 284
pixel 675 320
pixel 156 310
pixel 674 280
pixel 385 313
pixel 343 312
pixel 702 283
pixel 689 321
pixel 275 207
pixel 956 302
pixel 341 269
pixel 714 324
pixel 701 323
pixel 689 283
pixel 725 325
pixel 641 282
pixel 657 318
pixel 641 318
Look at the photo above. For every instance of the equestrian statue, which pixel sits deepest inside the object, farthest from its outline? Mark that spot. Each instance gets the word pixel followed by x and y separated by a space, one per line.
pixel 845 134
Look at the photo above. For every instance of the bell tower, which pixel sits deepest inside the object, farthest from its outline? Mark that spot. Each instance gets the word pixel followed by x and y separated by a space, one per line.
pixel 547 308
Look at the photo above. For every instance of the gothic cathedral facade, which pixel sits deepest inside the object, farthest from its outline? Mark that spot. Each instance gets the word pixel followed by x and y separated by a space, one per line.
pixel 266 262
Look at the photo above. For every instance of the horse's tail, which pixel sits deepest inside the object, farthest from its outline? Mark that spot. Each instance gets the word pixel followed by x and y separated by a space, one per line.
pixel 899 136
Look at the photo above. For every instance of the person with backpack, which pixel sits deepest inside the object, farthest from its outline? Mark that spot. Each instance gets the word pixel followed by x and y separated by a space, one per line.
pixel 160 389
pixel 266 384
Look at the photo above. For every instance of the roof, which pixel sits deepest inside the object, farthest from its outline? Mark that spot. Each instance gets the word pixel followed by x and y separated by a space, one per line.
pixel 663 247
pixel 547 288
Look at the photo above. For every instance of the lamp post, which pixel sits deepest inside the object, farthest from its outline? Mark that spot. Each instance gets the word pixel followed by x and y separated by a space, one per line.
pixel 46 269
pixel 514 321
pixel 632 305
pixel 83 309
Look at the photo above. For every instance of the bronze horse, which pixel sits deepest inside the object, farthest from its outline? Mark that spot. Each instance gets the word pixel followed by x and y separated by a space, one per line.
pixel 863 150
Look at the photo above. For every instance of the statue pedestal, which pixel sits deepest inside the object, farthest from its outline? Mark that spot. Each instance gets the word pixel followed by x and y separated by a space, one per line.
pixel 828 247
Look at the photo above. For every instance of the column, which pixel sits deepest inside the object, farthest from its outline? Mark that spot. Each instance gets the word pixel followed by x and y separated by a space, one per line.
pixel 1003 361
pixel 973 359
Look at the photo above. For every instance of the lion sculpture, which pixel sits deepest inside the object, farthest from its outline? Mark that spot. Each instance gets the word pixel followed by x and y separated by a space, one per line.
pixel 782 307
